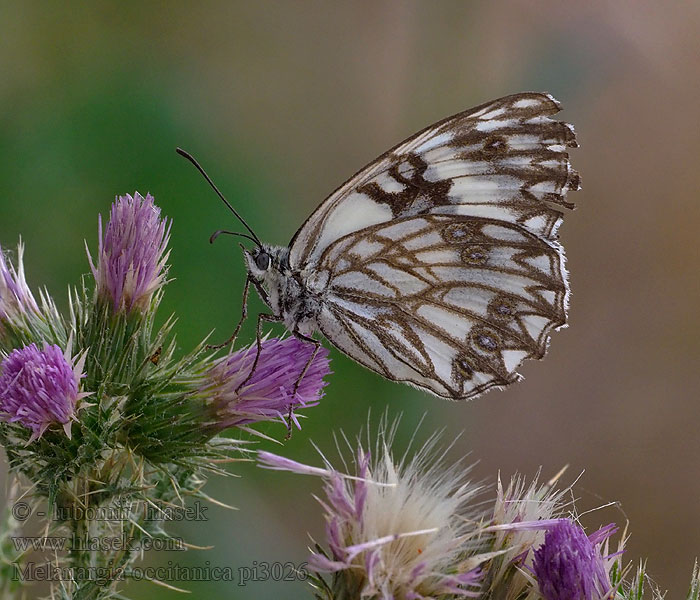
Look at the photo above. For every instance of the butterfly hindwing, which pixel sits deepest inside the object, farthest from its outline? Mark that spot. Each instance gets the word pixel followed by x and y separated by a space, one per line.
pixel 505 160
pixel 450 303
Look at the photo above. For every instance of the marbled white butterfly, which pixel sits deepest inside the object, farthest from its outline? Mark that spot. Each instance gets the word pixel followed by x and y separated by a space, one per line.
pixel 438 263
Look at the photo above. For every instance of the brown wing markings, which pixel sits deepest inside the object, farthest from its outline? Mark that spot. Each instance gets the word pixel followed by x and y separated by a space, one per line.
pixel 408 254
pixel 381 368
pixel 454 394
pixel 551 215
pixel 372 235
pixel 546 105
pixel 367 324
pixel 506 337
pixel 458 344
pixel 562 176
pixel 542 280
pixel 360 344
pixel 412 337
pixel 544 283
pixel 535 349
pixel 436 220
pixel 462 348
pixel 489 149
pixel 402 203
pixel 540 310
pixel 369 273
pixel 498 379
pixel 551 254
pixel 415 186
pixel 498 148
pixel 538 247
pixel 552 312
pixel 538 307
pixel 527 250
pixel 545 132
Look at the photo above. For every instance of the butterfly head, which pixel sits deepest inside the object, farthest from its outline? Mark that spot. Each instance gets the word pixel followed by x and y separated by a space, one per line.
pixel 266 261
pixel 268 270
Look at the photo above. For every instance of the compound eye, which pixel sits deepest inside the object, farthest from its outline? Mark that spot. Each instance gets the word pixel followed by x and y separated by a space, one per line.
pixel 262 261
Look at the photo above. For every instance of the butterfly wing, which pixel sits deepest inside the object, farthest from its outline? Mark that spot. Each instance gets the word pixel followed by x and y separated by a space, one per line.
pixel 505 159
pixel 449 303
pixel 437 264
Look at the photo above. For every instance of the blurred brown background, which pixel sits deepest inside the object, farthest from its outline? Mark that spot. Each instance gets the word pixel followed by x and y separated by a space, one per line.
pixel 282 101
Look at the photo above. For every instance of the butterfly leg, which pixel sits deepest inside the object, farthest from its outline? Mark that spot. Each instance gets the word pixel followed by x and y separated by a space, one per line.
pixel 258 339
pixel 244 314
pixel 297 383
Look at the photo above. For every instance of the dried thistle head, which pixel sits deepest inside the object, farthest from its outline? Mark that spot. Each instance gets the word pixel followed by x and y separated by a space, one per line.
pixel 403 529
pixel 16 299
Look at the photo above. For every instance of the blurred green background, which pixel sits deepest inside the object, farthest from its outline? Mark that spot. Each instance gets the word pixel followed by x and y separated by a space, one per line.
pixel 282 101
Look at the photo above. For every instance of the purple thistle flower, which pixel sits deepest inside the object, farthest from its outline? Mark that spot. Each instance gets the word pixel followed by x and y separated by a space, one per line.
pixel 15 296
pixel 268 394
pixel 132 253
pixel 569 565
pixel 39 388
pixel 521 515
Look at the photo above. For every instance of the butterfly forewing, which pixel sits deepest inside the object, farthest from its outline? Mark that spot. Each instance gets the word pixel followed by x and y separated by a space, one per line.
pixel 505 160
pixel 437 264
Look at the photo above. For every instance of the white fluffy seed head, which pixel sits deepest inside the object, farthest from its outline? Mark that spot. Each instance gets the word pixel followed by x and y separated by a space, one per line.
pixel 414 533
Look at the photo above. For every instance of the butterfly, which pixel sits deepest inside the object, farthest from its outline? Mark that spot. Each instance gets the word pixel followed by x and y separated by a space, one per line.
pixel 438 263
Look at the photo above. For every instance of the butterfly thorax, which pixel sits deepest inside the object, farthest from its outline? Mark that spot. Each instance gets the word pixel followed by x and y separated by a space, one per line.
pixel 282 288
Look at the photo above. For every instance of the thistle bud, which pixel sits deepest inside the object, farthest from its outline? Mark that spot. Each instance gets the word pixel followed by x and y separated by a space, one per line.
pixel 131 262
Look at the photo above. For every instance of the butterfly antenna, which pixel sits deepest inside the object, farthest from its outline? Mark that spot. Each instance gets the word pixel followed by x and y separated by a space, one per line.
pixel 191 158
pixel 218 232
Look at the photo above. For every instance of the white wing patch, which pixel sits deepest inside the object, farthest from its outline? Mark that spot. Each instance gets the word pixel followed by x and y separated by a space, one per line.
pixel 352 216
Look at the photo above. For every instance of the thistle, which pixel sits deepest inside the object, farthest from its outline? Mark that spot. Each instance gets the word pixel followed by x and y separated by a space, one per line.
pixel 131 263
pixel 521 515
pixel 150 435
pixel 415 529
pixel 404 528
pixel 157 425
pixel 16 298
pixel 39 388
pixel 240 397
pixel 569 564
